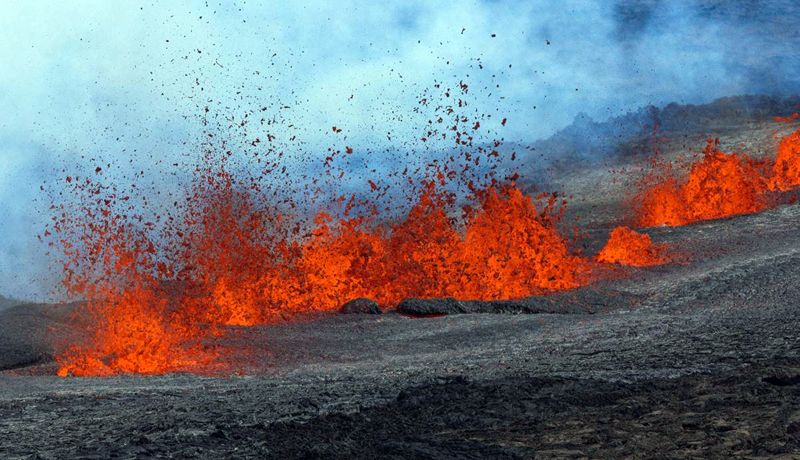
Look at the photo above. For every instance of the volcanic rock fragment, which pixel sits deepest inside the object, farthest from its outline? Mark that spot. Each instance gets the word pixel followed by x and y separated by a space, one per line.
pixel 579 301
pixel 783 377
pixel 430 307
pixel 361 305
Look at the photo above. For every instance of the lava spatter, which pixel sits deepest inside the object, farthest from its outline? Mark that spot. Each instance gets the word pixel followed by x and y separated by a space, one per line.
pixel 232 251
pixel 629 247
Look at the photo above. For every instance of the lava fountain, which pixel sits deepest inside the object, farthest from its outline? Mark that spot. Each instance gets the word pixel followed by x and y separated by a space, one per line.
pixel 719 185
pixel 158 287
pixel 237 267
pixel 786 170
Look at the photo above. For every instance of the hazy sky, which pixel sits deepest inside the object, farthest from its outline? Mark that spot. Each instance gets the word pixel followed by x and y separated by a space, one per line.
pixel 83 80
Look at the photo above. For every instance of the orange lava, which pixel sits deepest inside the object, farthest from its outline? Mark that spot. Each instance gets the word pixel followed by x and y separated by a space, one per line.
pixel 786 170
pixel 229 262
pixel 159 287
pixel 137 338
pixel 720 185
pixel 628 247
pixel 253 238
pixel 126 318
pixel 788 119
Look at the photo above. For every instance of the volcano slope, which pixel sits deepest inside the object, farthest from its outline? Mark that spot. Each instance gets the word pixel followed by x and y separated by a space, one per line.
pixel 700 357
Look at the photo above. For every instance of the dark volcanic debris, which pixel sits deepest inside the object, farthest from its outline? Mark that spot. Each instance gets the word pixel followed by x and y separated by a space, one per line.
pixel 361 305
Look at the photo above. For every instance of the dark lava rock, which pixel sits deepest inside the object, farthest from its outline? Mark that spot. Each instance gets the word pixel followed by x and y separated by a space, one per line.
pixel 580 301
pixel 431 307
pixel 361 305
pixel 783 377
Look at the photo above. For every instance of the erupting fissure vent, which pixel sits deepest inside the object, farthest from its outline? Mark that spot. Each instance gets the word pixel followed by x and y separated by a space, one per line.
pixel 786 170
pixel 719 185
pixel 234 267
pixel 158 287
pixel 230 252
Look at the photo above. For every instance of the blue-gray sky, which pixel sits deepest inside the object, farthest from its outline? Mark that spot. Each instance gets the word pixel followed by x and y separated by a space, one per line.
pixel 88 80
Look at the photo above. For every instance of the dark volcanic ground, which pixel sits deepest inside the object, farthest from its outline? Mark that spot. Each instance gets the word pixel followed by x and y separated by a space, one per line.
pixel 699 358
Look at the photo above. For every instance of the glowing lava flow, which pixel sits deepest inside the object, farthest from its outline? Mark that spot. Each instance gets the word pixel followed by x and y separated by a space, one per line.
pixel 628 247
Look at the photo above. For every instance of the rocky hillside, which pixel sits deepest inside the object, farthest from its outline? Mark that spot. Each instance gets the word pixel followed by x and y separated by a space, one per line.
pixel 617 139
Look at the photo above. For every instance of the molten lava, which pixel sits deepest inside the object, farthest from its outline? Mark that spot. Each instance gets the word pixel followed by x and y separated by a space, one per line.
pixel 126 318
pixel 786 170
pixel 227 262
pixel 720 185
pixel 238 244
pixel 628 247
pixel 228 253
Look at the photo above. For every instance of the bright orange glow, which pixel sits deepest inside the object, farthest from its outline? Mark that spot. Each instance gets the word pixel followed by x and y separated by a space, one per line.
pixel 720 185
pixel 628 247
pixel 254 237
pixel 135 339
pixel 127 318
pixel 786 170
pixel 238 266
pixel 512 250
